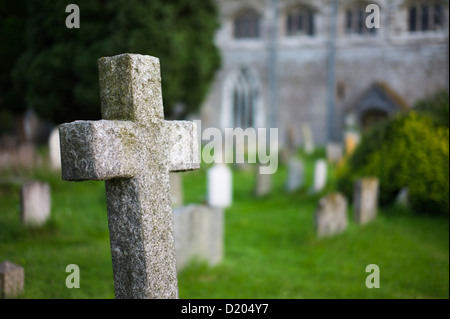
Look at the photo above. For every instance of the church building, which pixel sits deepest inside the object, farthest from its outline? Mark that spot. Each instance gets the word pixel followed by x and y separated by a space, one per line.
pixel 376 72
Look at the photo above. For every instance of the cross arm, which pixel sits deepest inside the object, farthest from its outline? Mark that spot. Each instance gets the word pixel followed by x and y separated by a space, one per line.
pixel 183 146
pixel 99 150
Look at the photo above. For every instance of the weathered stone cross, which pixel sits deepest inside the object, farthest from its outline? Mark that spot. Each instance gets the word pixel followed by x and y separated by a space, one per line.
pixel 133 149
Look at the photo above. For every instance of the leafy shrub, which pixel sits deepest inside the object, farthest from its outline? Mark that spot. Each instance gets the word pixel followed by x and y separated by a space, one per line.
pixel 436 106
pixel 408 150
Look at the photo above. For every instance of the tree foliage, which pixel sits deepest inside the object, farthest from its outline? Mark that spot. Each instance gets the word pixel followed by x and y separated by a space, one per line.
pixel 437 107
pixel 12 37
pixel 56 71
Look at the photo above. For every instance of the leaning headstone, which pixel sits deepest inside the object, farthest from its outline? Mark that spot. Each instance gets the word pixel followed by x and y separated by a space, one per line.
pixel 331 215
pixel 199 234
pixel 176 189
pixel 220 186
pixel 334 153
pixel 35 203
pixel 54 150
pixel 133 149
pixel 308 139
pixel 12 279
pixel 295 175
pixel 320 175
pixel 365 200
pixel 263 183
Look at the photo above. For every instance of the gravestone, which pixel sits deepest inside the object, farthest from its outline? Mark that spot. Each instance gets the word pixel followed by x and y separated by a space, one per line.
pixel 220 186
pixel 199 234
pixel 403 197
pixel 365 200
pixel 352 139
pixel 54 150
pixel 290 146
pixel 308 139
pixel 12 279
pixel 176 189
pixel 20 156
pixel 263 183
pixel 320 175
pixel 334 153
pixel 133 149
pixel 35 203
pixel 295 175
pixel 331 215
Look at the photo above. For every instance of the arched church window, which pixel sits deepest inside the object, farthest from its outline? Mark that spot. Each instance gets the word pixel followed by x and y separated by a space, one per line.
pixel 245 94
pixel 300 21
pixel 247 25
pixel 426 16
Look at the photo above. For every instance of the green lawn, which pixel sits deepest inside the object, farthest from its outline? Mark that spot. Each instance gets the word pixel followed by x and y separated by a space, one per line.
pixel 270 246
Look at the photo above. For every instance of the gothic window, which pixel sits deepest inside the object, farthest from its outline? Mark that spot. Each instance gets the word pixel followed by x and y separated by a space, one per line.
pixel 300 21
pixel 426 16
pixel 247 25
pixel 355 21
pixel 244 99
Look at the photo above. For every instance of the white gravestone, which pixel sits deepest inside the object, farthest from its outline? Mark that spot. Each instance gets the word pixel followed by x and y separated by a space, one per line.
pixel 54 150
pixel 320 175
pixel 220 186
pixel 35 203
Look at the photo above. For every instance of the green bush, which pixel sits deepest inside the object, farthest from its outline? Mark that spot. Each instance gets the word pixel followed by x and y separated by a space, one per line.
pixel 437 107
pixel 408 150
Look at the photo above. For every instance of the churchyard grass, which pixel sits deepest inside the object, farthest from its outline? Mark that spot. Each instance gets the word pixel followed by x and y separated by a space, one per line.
pixel 271 250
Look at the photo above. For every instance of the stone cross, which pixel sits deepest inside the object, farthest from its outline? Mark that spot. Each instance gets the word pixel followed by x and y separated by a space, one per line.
pixel 133 149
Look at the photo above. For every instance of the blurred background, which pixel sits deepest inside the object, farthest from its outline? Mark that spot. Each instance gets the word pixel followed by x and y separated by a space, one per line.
pixel 365 102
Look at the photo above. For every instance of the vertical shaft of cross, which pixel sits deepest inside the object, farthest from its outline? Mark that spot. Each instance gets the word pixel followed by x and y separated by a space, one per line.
pixel 139 209
pixel 140 223
pixel 141 235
